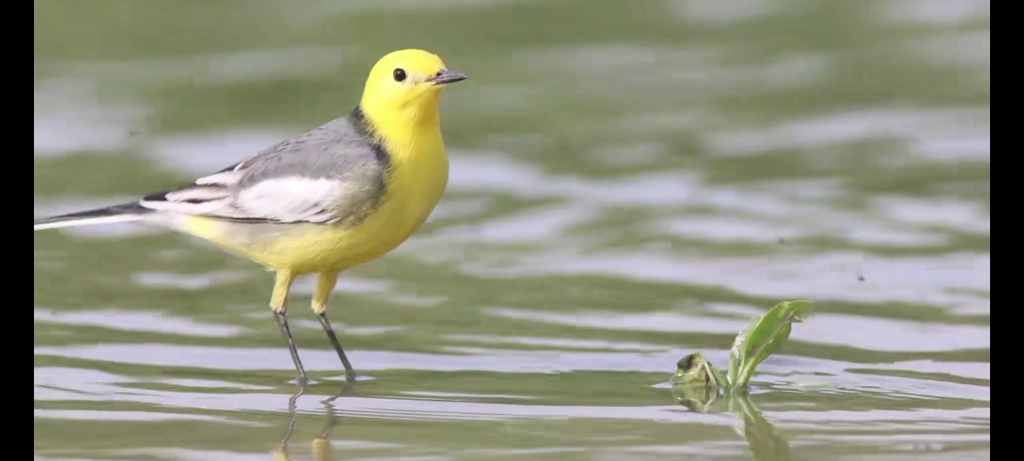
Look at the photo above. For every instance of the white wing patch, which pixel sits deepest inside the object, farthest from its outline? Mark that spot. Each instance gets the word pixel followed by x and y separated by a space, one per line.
pixel 284 183
pixel 226 178
pixel 291 199
pixel 284 199
pixel 198 194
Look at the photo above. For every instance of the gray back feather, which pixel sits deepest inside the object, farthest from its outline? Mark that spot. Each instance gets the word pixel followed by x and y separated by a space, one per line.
pixel 334 173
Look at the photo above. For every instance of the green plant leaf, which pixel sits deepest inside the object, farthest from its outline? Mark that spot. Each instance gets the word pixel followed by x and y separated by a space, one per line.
pixel 737 345
pixel 763 337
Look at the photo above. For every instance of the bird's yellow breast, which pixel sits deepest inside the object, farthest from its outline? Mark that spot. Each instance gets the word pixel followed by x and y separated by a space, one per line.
pixel 416 180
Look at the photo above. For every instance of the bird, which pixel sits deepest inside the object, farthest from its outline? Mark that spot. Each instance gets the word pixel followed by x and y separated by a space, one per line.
pixel 340 195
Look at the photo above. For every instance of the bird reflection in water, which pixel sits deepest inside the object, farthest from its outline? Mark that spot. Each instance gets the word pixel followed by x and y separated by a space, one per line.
pixel 321 445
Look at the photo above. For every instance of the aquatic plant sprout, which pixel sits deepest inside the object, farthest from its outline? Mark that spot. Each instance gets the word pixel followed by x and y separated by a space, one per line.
pixel 763 337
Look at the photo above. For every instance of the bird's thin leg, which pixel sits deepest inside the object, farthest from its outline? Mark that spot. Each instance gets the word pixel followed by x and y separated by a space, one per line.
pixel 324 286
pixel 279 304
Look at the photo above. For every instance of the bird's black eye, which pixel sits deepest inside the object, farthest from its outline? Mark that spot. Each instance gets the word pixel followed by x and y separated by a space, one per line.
pixel 399 75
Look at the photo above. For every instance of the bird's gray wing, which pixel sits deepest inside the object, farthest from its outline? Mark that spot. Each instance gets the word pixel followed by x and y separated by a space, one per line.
pixel 332 174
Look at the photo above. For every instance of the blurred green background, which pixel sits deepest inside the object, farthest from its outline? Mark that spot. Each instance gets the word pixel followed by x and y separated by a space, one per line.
pixel 631 182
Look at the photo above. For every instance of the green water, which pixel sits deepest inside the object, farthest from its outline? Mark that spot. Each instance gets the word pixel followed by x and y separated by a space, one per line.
pixel 631 182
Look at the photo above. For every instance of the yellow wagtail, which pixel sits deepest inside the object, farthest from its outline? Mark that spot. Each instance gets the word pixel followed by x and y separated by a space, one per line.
pixel 340 195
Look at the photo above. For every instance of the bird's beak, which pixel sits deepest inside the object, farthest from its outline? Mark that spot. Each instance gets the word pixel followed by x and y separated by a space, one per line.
pixel 446 76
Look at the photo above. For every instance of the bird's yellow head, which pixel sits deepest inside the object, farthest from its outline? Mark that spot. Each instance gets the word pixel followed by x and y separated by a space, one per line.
pixel 406 85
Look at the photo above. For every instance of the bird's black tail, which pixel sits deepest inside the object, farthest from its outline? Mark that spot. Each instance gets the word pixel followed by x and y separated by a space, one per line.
pixel 124 212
